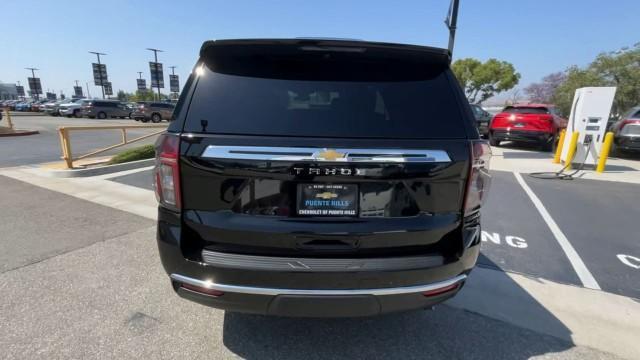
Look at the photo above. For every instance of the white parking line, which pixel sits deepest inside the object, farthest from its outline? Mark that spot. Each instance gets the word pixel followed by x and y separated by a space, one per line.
pixel 580 268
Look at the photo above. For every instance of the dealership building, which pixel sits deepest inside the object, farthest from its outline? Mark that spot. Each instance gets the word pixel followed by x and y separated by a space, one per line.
pixel 8 91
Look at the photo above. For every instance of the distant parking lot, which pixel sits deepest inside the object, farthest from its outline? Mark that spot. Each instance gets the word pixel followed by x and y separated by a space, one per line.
pixel 45 146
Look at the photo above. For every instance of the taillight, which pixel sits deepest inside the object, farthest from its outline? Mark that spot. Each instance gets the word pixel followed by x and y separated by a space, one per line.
pixel 479 179
pixel 202 290
pixel 167 171
pixel 624 123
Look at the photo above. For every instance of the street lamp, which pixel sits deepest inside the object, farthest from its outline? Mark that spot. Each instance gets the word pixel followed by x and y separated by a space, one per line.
pixel 33 75
pixel 99 70
pixel 155 55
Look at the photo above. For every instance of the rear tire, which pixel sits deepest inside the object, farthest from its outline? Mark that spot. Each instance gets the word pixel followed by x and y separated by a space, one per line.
pixel 156 118
pixel 551 144
pixel 102 115
pixel 144 120
pixel 493 141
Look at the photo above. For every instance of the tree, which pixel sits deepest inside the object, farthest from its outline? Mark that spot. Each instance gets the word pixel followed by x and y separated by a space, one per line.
pixel 620 69
pixel 543 91
pixel 123 96
pixel 575 78
pixel 143 95
pixel 481 81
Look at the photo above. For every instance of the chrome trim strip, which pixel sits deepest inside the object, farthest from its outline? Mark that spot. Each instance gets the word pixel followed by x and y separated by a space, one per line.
pixel 276 263
pixel 277 291
pixel 264 153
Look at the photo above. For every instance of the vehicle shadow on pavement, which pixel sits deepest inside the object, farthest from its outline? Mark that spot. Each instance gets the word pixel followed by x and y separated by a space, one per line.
pixel 447 332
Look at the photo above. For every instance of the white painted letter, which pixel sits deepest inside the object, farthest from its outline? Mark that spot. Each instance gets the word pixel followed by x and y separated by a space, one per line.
pixel 516 242
pixel 494 237
pixel 626 259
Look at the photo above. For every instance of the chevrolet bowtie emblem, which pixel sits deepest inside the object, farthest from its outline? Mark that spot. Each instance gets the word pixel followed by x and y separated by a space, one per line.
pixel 327 195
pixel 329 155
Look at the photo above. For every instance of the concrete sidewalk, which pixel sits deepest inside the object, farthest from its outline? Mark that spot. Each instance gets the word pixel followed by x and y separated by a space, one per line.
pixel 528 161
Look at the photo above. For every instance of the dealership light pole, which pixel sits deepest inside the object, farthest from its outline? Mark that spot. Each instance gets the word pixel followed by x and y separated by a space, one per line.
pixel 452 23
pixel 99 70
pixel 173 72
pixel 155 55
pixel 33 75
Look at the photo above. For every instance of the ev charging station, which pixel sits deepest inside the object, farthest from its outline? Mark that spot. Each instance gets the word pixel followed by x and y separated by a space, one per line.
pixel 589 116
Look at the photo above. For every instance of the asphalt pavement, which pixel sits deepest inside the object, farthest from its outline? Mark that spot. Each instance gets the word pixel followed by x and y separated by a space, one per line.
pixel 83 280
pixel 107 296
pixel 45 146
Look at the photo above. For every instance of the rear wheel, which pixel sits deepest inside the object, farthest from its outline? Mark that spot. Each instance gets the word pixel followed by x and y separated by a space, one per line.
pixel 144 120
pixel 493 141
pixel 550 144
pixel 102 115
pixel 156 118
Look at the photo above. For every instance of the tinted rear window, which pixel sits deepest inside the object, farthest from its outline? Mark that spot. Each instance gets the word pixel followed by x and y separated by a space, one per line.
pixel 233 104
pixel 526 110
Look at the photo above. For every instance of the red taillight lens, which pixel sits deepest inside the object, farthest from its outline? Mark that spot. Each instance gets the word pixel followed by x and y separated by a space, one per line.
pixel 441 290
pixel 202 290
pixel 167 171
pixel 479 179
pixel 624 123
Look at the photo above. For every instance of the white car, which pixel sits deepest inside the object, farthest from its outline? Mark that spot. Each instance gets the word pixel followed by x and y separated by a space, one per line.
pixel 72 109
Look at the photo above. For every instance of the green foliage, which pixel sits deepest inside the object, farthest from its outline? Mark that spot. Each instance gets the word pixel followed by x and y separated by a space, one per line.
pixel 481 81
pixel 123 96
pixel 137 153
pixel 575 78
pixel 620 69
pixel 147 95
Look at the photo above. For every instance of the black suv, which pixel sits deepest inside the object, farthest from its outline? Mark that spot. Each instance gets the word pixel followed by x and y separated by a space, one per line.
pixel 320 178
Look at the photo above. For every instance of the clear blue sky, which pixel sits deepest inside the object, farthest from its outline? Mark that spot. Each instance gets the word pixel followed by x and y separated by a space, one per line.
pixel 537 36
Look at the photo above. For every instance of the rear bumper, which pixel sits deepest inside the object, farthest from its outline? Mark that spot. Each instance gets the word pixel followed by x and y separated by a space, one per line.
pixel 319 289
pixel 319 302
pixel 628 143
pixel 521 135
pixel 139 115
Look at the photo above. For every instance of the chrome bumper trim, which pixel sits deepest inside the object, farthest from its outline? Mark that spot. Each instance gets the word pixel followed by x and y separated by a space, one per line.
pixel 335 292
pixel 348 155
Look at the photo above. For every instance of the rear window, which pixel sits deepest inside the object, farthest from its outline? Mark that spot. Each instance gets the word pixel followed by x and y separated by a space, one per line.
pixel 234 104
pixel 526 110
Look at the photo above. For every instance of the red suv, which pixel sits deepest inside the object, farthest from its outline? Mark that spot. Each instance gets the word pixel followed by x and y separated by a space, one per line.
pixel 534 123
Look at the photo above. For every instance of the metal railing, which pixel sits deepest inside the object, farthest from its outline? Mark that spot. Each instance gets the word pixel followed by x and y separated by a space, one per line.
pixel 65 140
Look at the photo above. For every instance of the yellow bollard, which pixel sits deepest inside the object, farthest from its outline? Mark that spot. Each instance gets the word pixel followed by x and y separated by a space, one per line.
pixel 9 122
pixel 604 152
pixel 556 158
pixel 573 145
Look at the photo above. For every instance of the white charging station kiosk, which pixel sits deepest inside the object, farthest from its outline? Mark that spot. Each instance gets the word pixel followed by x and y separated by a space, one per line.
pixel 589 116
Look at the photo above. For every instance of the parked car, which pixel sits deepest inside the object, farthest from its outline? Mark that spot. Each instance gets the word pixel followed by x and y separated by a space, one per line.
pixel 483 118
pixel 38 105
pixel 103 109
pixel 53 107
pixel 24 106
pixel 72 109
pixel 626 132
pixel 155 111
pixel 328 188
pixel 532 123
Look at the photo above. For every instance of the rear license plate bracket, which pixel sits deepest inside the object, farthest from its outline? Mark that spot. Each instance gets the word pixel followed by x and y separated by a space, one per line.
pixel 333 200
